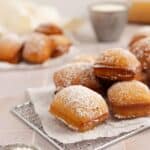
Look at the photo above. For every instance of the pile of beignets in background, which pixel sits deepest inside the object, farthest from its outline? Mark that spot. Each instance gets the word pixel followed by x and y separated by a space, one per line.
pixel 47 41
pixel 91 88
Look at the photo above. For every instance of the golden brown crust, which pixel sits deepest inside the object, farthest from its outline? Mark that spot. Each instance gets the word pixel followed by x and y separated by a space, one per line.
pixel 10 48
pixel 84 108
pixel 125 112
pixel 76 74
pixel 37 48
pixel 61 44
pixel 125 97
pixel 49 29
pixel 117 64
pixel 141 49
pixel 113 73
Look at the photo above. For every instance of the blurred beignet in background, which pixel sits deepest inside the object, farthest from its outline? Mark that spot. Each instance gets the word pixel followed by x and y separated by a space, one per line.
pixel 37 48
pixel 90 58
pixel 117 64
pixel 84 108
pixel 49 29
pixel 76 74
pixel 61 44
pixel 142 33
pixel 141 49
pixel 10 48
pixel 129 99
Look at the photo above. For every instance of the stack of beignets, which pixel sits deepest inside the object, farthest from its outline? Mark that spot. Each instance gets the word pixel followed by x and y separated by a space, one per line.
pixel 79 107
pixel 90 58
pixel 47 41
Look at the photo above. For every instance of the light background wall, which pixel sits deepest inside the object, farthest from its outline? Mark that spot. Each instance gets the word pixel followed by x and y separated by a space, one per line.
pixel 74 7
pixel 70 7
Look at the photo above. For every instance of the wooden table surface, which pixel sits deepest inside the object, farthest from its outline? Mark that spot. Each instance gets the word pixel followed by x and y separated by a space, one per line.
pixel 12 87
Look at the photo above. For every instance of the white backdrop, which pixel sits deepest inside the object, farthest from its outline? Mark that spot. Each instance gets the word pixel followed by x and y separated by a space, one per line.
pixel 73 7
pixel 70 7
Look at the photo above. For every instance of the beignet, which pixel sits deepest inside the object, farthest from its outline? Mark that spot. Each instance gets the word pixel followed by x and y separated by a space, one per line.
pixel 136 38
pixel 37 48
pixel 117 64
pixel 141 49
pixel 79 107
pixel 61 44
pixel 142 33
pixel 76 74
pixel 129 99
pixel 49 29
pixel 10 48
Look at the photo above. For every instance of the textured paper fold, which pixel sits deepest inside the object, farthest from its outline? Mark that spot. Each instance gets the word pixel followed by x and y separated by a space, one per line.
pixel 42 97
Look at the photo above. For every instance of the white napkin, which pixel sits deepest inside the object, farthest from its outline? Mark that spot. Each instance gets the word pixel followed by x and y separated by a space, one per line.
pixel 42 97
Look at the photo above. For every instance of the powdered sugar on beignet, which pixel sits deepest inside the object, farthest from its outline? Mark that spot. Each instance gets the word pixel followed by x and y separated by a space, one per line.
pixel 129 99
pixel 80 107
pixel 76 74
pixel 141 49
pixel 37 48
pixel 82 99
pixel 118 57
pixel 129 93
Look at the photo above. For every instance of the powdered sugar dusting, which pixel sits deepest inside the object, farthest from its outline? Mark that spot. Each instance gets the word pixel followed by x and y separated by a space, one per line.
pixel 118 57
pixel 11 39
pixel 128 93
pixel 74 74
pixel 36 43
pixel 142 51
pixel 85 102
